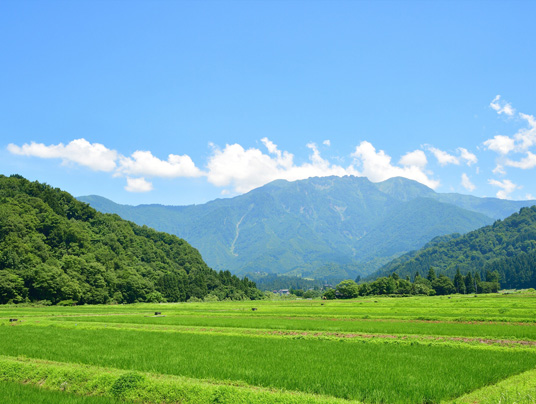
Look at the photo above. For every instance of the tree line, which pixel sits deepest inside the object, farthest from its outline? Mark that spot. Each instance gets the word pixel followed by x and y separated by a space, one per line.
pixel 507 247
pixel 429 285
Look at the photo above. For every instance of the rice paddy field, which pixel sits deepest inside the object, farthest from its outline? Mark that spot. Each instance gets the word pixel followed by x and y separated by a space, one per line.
pixel 443 349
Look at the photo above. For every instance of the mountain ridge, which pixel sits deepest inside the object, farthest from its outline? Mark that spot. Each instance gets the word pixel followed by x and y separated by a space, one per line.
pixel 300 226
pixel 507 246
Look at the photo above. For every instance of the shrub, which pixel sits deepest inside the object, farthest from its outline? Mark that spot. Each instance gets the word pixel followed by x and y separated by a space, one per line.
pixel 126 382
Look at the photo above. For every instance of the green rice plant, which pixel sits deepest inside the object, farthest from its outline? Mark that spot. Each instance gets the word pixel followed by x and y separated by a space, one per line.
pixel 518 389
pixel 345 325
pixel 132 387
pixel 370 371
pixel 17 393
pixel 513 308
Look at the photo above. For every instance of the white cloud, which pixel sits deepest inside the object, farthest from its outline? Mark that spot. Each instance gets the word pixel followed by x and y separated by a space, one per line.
pixel 138 185
pixel 99 158
pixel 529 197
pixel 443 158
pixel 466 183
pixel 415 158
pixel 233 167
pixel 271 146
pixel 245 169
pixel 500 144
pixel 326 142
pixel 525 163
pixel 501 107
pixel 507 187
pixel 526 137
pixel 499 169
pixel 466 155
pixel 93 155
pixel 521 142
pixel 144 163
pixel 377 166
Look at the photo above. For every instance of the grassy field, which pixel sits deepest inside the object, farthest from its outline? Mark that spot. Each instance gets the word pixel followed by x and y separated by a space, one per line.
pixel 16 393
pixel 374 350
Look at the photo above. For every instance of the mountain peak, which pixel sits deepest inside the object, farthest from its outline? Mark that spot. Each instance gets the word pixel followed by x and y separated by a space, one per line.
pixel 318 226
pixel 405 189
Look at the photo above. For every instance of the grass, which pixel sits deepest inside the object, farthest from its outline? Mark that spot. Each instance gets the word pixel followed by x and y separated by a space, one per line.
pixel 16 393
pixel 376 372
pixel 499 330
pixel 137 387
pixel 256 356
pixel 499 308
pixel 518 389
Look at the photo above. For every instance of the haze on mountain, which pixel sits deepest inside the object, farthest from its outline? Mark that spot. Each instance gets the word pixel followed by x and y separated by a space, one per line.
pixel 508 247
pixel 320 228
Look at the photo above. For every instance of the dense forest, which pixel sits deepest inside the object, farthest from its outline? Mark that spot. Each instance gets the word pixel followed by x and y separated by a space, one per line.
pixel 55 249
pixel 508 247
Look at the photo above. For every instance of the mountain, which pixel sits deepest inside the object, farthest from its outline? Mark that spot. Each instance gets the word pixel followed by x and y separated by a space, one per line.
pixel 508 247
pixel 322 228
pixel 54 248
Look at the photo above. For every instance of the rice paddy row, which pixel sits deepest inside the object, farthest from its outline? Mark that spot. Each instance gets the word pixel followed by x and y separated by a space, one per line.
pixel 292 351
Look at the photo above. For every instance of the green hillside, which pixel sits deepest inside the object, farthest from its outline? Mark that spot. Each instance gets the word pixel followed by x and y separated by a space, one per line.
pixel 54 248
pixel 323 228
pixel 508 247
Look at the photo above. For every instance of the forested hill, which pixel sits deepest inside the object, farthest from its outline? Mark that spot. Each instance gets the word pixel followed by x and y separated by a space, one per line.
pixel 55 249
pixel 507 246
pixel 328 228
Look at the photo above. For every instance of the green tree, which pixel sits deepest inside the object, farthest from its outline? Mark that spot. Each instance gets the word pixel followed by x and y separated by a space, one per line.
pixel 11 288
pixel 330 294
pixel 347 290
pixel 443 285
pixel 469 283
pixel 431 274
pixel 458 282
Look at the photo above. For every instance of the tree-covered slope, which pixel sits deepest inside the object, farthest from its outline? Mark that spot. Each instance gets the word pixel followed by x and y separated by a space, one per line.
pixel 508 246
pixel 55 248
pixel 414 224
pixel 323 228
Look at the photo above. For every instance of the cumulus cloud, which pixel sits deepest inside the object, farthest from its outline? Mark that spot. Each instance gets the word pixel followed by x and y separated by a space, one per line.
pixel 466 183
pixel 529 161
pixel 415 158
pixel 376 166
pixel 233 167
pixel 507 187
pixel 526 137
pixel 93 155
pixel 144 163
pixel 467 156
pixel 99 158
pixel 326 142
pixel 520 142
pixel 245 169
pixel 443 158
pixel 500 144
pixel 501 107
pixel 138 185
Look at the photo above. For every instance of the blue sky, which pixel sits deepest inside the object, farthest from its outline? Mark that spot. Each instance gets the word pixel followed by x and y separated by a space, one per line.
pixel 180 102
